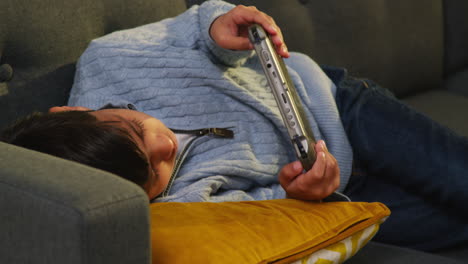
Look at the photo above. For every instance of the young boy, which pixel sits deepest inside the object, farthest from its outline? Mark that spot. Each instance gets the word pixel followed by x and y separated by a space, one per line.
pixel 184 114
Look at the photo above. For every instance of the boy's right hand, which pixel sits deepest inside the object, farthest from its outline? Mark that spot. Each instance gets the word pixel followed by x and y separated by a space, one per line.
pixel 229 31
pixel 317 183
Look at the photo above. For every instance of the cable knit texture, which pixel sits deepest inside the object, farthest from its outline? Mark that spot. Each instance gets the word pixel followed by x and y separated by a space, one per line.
pixel 174 71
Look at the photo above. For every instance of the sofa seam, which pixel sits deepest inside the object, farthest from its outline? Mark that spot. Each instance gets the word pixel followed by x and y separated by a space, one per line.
pixel 58 202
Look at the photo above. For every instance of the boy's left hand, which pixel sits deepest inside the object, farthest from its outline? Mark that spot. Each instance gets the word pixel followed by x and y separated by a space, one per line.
pixel 229 31
pixel 317 183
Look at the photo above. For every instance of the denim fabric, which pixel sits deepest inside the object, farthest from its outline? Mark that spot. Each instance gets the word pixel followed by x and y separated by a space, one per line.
pixel 402 158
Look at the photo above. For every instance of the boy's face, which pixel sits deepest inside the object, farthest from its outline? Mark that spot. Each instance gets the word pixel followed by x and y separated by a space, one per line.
pixel 155 140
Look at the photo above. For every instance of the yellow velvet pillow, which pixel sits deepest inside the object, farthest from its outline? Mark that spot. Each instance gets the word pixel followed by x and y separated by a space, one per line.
pixel 273 231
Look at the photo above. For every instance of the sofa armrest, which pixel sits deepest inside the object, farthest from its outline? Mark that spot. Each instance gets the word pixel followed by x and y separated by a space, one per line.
pixel 58 211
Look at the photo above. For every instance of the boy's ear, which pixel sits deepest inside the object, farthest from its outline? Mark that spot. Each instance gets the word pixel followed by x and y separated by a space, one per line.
pixel 67 108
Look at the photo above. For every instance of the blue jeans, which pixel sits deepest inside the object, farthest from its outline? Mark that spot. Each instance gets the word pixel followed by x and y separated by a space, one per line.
pixel 405 160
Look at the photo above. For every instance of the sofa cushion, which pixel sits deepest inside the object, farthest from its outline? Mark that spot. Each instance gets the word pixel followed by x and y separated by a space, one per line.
pixel 446 107
pixel 456 36
pixel 389 254
pixel 399 45
pixel 458 82
pixel 42 40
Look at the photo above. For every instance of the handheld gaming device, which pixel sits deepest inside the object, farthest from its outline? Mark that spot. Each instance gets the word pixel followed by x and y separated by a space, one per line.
pixel 286 96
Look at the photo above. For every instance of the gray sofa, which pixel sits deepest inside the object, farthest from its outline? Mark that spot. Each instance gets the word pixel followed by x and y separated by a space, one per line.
pixel 56 211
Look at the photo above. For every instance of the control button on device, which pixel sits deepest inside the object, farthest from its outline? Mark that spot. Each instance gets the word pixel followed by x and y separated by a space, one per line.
pixel 293 123
pixel 300 147
pixel 265 55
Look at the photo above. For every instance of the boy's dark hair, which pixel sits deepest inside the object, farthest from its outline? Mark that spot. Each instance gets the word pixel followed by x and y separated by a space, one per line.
pixel 81 137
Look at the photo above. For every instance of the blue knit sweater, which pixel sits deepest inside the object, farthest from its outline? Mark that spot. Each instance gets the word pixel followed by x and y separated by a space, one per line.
pixel 174 71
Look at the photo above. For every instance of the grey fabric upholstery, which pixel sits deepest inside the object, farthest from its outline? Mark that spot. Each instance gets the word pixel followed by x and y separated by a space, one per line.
pixel 456 37
pixel 57 211
pixel 443 106
pixel 388 254
pixel 42 40
pixel 379 40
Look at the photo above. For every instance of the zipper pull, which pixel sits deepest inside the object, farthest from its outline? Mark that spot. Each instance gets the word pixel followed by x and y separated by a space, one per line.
pixel 217 132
